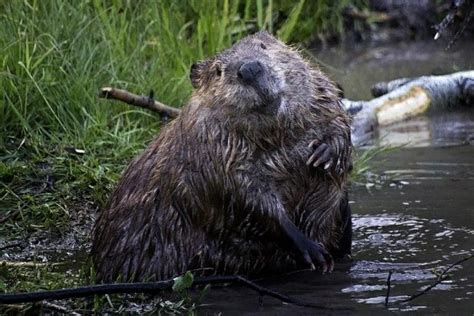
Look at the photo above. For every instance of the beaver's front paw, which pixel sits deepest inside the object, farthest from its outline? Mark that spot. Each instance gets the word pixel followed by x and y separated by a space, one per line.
pixel 317 256
pixel 322 156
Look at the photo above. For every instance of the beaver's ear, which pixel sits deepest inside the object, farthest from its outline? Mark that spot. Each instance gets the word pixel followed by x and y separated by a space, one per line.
pixel 194 75
pixel 196 72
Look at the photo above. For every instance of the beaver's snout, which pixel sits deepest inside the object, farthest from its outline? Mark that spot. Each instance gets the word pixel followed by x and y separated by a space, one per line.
pixel 256 75
pixel 250 72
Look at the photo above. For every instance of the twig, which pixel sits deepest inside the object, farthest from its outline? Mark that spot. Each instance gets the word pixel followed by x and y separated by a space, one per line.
pixel 448 19
pixel 27 264
pixel 463 27
pixel 259 289
pixel 387 295
pixel 440 279
pixel 151 287
pixel 138 100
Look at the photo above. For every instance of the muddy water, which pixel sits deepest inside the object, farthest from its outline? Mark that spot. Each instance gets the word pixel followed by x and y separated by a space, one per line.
pixel 414 218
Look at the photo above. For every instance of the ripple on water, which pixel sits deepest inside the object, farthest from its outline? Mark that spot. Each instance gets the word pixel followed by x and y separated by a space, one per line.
pixel 392 242
pixel 400 236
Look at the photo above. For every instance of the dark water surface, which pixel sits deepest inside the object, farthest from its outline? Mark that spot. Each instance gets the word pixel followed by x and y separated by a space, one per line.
pixel 417 221
pixel 414 219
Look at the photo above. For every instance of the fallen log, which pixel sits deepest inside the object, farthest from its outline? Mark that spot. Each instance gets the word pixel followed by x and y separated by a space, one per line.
pixel 395 101
pixel 404 98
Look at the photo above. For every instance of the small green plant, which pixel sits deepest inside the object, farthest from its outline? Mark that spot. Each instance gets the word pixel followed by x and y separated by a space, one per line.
pixel 362 162
pixel 185 304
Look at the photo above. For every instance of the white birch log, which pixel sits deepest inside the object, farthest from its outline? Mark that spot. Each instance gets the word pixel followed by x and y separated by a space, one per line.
pixel 405 98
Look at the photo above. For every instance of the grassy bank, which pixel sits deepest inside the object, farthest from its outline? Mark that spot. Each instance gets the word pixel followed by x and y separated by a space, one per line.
pixel 56 55
pixel 61 148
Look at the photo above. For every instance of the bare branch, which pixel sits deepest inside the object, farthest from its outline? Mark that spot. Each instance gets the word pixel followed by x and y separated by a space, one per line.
pixel 27 264
pixel 148 287
pixel 138 100
pixel 440 279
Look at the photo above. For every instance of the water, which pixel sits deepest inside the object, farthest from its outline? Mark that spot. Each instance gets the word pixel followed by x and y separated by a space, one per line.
pixel 356 69
pixel 415 218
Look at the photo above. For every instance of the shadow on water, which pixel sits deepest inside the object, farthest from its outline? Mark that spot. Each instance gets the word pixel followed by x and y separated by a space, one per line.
pixel 415 220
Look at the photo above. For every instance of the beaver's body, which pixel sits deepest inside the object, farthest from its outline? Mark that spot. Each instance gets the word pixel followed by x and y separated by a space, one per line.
pixel 227 185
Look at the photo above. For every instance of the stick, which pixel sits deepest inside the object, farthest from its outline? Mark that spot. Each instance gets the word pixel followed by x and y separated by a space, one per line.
pixel 463 27
pixel 387 296
pixel 440 279
pixel 27 264
pixel 151 287
pixel 138 100
pixel 448 19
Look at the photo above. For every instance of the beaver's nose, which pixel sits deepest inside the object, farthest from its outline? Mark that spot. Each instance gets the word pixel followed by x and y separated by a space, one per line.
pixel 250 71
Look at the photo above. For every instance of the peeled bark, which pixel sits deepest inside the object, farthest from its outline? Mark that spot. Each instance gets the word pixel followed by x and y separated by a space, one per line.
pixel 404 98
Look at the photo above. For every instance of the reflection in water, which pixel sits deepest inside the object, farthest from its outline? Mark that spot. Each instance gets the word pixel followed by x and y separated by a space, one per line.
pixel 400 243
pixel 435 129
pixel 398 237
pixel 416 225
pixel 415 132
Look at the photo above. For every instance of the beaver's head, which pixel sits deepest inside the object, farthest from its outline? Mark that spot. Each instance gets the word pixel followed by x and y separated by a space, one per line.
pixel 258 75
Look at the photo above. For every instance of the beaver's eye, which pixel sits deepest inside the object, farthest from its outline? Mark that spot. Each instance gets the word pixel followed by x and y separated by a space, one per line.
pixel 218 70
pixel 263 46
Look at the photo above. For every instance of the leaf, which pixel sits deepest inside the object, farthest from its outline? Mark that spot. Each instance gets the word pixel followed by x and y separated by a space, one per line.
pixel 183 282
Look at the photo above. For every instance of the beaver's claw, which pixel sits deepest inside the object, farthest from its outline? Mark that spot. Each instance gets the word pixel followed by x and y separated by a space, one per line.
pixel 313 253
pixel 322 156
pixel 316 256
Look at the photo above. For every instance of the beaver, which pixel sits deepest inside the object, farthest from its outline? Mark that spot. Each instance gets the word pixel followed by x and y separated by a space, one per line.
pixel 250 178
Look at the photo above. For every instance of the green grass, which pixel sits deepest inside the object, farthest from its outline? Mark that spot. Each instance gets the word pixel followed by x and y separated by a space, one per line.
pixel 55 56
pixel 178 300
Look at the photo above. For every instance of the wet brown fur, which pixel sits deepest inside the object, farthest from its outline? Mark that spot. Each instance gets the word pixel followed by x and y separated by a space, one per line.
pixel 211 191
